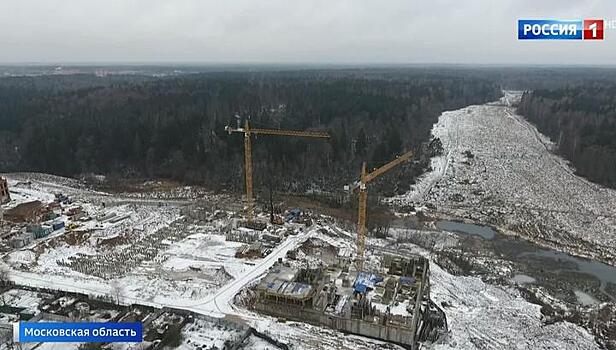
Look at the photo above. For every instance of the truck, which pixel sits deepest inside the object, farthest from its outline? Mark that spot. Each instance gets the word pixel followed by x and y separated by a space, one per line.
pixel 42 231
pixel 50 216
pixel 22 240
pixel 57 225
pixel 61 198
pixel 292 215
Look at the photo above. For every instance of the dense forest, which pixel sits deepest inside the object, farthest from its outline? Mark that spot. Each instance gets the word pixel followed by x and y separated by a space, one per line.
pixel 173 127
pixel 581 120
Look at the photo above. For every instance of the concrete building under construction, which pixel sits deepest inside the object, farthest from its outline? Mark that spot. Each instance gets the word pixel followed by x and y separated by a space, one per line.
pixel 5 196
pixel 391 303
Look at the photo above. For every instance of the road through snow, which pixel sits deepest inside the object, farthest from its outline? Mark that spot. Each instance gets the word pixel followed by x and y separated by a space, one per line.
pixel 217 305
pixel 222 301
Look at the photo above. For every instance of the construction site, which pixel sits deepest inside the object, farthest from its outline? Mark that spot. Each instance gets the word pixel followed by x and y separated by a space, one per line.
pixel 206 253
pixel 248 273
pixel 389 301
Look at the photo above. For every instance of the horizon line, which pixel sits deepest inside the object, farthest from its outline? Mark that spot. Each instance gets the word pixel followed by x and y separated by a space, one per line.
pixel 295 64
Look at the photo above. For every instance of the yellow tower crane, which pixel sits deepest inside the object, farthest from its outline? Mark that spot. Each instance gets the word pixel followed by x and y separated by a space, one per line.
pixel 363 198
pixel 247 130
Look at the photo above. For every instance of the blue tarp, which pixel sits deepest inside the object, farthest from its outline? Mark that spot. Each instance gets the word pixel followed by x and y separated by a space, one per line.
pixel 360 288
pixel 407 280
pixel 366 280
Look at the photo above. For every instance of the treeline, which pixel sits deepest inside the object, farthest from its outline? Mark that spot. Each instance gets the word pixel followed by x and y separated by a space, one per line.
pixel 174 127
pixel 582 122
pixel 543 77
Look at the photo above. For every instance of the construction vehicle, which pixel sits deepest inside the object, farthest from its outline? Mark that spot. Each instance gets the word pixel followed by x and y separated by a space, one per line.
pixel 57 225
pixel 61 198
pixel 292 215
pixel 363 198
pixel 277 220
pixel 248 131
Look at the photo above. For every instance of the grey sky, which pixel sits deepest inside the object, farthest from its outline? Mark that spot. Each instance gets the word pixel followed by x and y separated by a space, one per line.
pixel 323 31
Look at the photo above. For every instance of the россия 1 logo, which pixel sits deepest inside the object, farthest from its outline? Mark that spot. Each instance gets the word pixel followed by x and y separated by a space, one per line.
pixel 553 29
pixel 593 29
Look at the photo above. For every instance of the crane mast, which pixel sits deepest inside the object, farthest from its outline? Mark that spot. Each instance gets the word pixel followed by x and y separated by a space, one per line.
pixel 250 205
pixel 364 179
pixel 248 131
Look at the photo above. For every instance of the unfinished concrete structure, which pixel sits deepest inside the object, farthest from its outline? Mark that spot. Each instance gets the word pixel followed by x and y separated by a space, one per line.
pixel 5 196
pixel 391 303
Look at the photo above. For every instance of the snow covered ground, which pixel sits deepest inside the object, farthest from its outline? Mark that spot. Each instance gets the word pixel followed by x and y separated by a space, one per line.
pixel 22 298
pixel 480 316
pixel 151 257
pixel 204 334
pixel 497 168
pixel 484 316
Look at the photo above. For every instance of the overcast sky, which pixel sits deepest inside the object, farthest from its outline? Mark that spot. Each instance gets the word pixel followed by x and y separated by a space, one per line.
pixel 289 31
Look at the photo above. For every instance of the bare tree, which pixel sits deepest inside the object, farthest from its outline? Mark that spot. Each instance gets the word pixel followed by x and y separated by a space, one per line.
pixel 4 277
pixel 117 292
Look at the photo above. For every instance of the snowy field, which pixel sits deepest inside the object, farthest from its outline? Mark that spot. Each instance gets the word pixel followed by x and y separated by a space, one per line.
pixel 496 168
pixel 202 334
pixel 152 255
pixel 484 316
